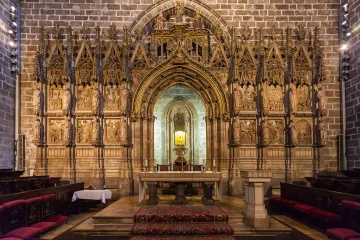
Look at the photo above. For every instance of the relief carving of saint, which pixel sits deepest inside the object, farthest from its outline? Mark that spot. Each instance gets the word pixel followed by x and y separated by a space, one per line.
pixel 37 101
pixel 160 21
pixel 321 96
pixel 36 128
pixel 95 100
pixel 66 101
pixel 237 129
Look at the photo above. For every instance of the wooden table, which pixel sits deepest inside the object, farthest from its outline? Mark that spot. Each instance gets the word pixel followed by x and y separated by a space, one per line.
pixel 209 179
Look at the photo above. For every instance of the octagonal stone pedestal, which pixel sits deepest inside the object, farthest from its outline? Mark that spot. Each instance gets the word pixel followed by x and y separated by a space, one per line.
pixel 254 211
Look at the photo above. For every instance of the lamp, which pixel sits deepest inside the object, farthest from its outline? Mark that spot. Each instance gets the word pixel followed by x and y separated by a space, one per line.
pixel 180 138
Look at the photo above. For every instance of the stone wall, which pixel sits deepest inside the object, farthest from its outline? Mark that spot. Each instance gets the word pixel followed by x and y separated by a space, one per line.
pixel 7 92
pixel 352 89
pixel 235 13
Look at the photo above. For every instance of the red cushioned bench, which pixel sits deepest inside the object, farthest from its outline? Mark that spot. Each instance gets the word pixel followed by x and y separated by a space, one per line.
pixel 342 233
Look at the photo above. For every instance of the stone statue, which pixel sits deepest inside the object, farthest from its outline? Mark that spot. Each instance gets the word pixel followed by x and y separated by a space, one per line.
pixel 237 99
pixel 95 100
pixel 123 133
pixel 66 129
pixel 124 95
pixel 321 96
pixel 293 132
pixel 95 131
pixel 36 128
pixel 237 129
pixel 265 132
pixel 197 20
pixel 179 12
pixel 66 101
pixel 160 21
pixel 37 101
pixel 322 131
pixel 292 98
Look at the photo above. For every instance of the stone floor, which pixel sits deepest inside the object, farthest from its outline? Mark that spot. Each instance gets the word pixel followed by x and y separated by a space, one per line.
pixel 116 221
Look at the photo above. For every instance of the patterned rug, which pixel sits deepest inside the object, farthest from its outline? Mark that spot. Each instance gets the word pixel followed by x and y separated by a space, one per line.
pixel 221 237
pixel 214 228
pixel 180 214
pixel 179 222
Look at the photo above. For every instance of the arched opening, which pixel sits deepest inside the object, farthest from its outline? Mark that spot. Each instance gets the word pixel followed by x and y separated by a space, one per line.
pixel 179 99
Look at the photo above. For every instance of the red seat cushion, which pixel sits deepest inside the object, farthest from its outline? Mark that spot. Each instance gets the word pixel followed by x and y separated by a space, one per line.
pixel 33 200
pixel 351 204
pixel 288 202
pixel 44 226
pixel 11 238
pixel 303 207
pixel 24 232
pixel 341 233
pixel 57 219
pixel 275 199
pixel 48 196
pixel 13 203
pixel 325 215
pixel 1 208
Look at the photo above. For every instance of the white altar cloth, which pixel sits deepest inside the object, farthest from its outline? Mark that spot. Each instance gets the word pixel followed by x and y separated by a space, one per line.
pixel 92 195
pixel 177 176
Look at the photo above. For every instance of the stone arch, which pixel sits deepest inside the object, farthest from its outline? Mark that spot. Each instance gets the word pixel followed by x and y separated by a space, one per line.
pixel 196 77
pixel 205 11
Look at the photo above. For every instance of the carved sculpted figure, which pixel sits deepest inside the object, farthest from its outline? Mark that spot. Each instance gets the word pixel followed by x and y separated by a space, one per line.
pixel 237 129
pixel 124 93
pixel 66 128
pixel 321 96
pixel 95 131
pixel 95 100
pixel 36 128
pixel 160 21
pixel 37 101
pixel 123 133
pixel 293 132
pixel 292 98
pixel 66 101
pixel 322 131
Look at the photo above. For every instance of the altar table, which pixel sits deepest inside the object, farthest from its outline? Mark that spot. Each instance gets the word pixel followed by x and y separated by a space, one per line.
pixel 209 179
pixel 92 195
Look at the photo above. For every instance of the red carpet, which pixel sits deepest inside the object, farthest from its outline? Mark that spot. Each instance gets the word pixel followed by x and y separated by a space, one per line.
pixel 180 214
pixel 179 222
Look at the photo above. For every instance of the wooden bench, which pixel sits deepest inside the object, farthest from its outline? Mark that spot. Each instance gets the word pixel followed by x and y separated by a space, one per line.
pixel 320 207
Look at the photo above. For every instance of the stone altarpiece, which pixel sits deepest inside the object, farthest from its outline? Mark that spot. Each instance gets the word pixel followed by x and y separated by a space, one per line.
pixel 96 90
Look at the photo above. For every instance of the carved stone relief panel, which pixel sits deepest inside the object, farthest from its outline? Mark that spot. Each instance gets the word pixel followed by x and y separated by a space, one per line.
pixel 84 98
pixel 301 132
pixel 273 99
pixel 116 131
pixel 56 131
pixel 273 132
pixel 84 131
pixel 55 98
pixel 244 99
pixel 300 98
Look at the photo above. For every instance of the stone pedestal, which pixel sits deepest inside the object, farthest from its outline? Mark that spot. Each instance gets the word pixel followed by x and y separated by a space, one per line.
pixel 254 211
pixel 180 198
pixel 208 196
pixel 153 198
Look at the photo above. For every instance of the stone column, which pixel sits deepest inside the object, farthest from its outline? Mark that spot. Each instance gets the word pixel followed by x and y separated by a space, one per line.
pixel 254 211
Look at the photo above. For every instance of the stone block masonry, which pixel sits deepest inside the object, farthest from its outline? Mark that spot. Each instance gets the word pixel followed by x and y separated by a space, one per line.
pixel 352 89
pixel 235 13
pixel 7 92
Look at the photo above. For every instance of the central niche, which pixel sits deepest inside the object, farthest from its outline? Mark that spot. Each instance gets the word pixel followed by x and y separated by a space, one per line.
pixel 179 102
